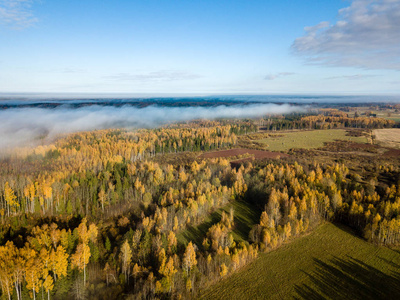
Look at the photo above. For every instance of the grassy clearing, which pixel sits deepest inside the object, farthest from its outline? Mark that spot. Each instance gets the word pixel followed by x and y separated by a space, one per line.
pixel 308 139
pixel 389 114
pixel 329 263
pixel 245 216
pixel 396 119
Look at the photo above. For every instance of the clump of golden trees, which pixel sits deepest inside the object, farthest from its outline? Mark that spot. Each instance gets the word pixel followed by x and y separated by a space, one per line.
pixel 45 258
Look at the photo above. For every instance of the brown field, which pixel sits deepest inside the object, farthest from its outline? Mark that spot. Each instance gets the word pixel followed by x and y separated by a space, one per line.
pixel 344 146
pixel 392 153
pixel 388 137
pixel 257 154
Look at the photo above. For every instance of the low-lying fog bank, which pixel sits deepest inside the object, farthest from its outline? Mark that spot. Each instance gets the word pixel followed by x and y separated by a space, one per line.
pixel 21 125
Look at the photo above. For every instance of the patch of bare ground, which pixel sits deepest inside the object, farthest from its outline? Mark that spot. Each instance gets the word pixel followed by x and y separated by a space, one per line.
pixel 345 146
pixel 392 153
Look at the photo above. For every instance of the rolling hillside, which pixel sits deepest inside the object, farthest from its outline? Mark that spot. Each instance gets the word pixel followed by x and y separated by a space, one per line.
pixel 329 263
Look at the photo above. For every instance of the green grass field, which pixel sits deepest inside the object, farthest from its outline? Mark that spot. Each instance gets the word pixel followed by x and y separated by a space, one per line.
pixel 329 263
pixel 396 119
pixel 308 139
pixel 389 114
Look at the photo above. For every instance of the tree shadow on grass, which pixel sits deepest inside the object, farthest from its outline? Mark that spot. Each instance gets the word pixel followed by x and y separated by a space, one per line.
pixel 198 233
pixel 349 278
pixel 245 216
pixel 394 265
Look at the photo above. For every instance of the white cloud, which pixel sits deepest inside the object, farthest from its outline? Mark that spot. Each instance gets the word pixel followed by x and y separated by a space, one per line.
pixel 367 36
pixel 17 14
pixel 277 75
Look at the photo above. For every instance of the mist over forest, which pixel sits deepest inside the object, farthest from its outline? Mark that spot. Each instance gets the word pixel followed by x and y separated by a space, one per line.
pixel 27 118
pixel 21 124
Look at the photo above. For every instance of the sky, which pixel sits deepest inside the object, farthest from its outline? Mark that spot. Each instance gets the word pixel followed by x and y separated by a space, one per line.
pixel 200 46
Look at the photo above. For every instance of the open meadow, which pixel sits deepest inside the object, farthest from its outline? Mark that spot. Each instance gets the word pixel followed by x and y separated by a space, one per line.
pixel 378 112
pixel 329 263
pixel 285 141
pixel 389 137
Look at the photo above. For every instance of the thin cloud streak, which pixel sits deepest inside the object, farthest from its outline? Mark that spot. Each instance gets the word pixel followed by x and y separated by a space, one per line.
pixel 163 75
pixel 351 77
pixel 278 75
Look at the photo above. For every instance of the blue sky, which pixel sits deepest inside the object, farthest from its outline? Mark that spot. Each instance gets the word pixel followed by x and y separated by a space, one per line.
pixel 200 47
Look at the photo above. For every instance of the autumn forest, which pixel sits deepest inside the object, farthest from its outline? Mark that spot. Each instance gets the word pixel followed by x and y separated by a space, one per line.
pixel 143 214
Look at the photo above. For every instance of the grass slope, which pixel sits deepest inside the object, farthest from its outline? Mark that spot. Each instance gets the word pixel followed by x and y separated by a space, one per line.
pixel 308 139
pixel 329 263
